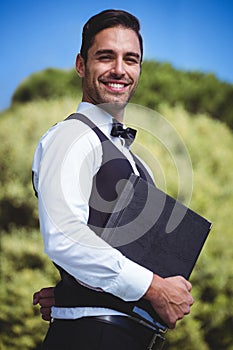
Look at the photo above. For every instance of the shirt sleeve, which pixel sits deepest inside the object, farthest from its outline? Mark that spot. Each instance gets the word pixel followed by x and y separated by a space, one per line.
pixel 65 163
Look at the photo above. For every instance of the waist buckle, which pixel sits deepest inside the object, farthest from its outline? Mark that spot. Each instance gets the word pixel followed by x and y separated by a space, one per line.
pixel 157 342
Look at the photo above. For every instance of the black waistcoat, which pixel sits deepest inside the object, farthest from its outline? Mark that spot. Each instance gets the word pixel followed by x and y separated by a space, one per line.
pixel 115 167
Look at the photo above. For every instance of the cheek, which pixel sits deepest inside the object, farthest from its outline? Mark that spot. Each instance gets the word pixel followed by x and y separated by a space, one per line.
pixel 135 72
pixel 92 76
pixel 136 77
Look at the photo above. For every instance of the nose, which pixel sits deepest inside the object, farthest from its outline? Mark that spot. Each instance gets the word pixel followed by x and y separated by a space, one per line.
pixel 118 68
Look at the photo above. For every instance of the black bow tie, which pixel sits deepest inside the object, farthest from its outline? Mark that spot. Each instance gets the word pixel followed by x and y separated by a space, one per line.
pixel 127 133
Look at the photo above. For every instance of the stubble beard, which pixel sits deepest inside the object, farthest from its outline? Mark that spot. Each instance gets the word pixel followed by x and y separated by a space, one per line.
pixel 112 103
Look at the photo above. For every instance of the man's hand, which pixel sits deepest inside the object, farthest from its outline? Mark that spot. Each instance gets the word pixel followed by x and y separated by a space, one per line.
pixel 45 298
pixel 170 298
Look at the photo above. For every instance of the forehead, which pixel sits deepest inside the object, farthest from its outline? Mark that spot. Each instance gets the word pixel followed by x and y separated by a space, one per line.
pixel 117 39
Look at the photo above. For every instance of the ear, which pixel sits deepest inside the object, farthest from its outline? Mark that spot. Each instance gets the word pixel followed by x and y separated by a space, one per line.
pixel 80 66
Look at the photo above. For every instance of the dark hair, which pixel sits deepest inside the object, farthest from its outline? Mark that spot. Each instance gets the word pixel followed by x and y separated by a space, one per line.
pixel 108 19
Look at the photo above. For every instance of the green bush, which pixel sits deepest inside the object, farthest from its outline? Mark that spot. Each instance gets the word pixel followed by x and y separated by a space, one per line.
pixel 48 84
pixel 20 130
pixel 24 270
pixel 211 321
pixel 197 92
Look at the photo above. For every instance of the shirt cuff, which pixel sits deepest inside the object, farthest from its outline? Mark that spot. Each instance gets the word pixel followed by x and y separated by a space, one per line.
pixel 132 282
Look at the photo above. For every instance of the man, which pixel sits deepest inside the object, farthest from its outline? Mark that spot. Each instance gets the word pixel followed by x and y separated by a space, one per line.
pixel 75 180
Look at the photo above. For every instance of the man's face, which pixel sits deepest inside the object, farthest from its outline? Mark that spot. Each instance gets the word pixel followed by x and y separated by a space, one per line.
pixel 113 67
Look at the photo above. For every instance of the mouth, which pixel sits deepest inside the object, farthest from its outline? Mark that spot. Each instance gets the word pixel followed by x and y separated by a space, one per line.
pixel 116 86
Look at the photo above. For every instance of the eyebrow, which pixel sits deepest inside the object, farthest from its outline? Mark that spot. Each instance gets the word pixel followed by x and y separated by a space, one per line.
pixel 111 52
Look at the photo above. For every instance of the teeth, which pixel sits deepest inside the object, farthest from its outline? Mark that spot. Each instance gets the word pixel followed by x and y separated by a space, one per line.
pixel 116 86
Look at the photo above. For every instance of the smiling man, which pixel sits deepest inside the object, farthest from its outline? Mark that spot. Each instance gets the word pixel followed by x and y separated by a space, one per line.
pixel 111 71
pixel 77 167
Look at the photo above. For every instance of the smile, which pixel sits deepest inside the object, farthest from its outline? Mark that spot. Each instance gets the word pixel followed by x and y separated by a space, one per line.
pixel 115 86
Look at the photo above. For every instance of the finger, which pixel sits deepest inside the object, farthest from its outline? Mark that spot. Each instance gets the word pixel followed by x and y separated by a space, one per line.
pixel 186 312
pixel 171 325
pixel 47 292
pixel 46 317
pixel 43 293
pixel 191 300
pixel 45 311
pixel 188 285
pixel 36 298
pixel 47 302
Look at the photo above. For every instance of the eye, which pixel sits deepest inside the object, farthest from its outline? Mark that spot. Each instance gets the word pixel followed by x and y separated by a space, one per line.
pixel 105 58
pixel 132 60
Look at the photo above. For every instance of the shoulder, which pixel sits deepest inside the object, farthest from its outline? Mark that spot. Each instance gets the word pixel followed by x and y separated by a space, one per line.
pixel 70 135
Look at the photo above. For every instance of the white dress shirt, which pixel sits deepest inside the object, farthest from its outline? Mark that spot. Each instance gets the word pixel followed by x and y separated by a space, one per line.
pixel 66 159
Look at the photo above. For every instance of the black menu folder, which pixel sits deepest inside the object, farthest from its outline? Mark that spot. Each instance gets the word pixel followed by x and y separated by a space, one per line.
pixel 155 230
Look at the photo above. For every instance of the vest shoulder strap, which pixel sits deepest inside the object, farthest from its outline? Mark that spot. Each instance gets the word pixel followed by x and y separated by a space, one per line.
pixel 87 121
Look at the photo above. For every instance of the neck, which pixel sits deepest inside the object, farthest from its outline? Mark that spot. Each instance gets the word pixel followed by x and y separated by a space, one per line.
pixel 116 110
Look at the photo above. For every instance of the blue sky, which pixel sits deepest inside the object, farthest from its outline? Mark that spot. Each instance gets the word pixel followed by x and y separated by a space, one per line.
pixel 190 34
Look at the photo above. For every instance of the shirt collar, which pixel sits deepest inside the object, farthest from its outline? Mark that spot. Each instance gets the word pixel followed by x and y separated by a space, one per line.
pixel 97 115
